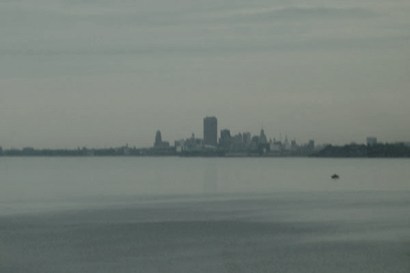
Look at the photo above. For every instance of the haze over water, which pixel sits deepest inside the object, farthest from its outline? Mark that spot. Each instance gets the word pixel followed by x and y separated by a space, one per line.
pixel 204 215
pixel 107 73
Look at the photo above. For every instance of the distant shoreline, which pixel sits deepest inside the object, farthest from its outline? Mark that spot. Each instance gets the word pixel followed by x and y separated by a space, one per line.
pixel 386 150
pixel 197 156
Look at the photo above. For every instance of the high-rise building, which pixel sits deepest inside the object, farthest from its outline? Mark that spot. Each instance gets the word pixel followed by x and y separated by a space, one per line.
pixel 210 131
pixel 159 143
pixel 311 145
pixel 262 137
pixel 225 139
pixel 158 139
pixel 371 141
pixel 246 136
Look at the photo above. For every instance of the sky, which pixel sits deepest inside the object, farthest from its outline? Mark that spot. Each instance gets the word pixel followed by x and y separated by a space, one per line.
pixel 102 73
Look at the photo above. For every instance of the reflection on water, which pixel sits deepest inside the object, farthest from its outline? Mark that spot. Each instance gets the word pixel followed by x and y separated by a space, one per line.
pixel 282 232
pixel 25 180
pixel 210 177
pixel 204 215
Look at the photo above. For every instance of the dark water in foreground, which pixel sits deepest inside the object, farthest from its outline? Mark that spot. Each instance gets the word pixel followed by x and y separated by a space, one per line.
pixel 204 215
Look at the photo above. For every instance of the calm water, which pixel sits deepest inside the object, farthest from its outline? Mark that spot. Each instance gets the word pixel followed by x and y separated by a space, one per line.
pixel 204 215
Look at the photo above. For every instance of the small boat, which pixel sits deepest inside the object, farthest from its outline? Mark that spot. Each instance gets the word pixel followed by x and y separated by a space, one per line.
pixel 335 176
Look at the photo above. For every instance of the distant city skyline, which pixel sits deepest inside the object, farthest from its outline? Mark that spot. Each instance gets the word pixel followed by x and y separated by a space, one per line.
pixel 107 73
pixel 241 144
pixel 213 135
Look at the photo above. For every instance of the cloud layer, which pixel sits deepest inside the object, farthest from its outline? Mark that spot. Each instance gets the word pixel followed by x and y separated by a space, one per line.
pixel 102 73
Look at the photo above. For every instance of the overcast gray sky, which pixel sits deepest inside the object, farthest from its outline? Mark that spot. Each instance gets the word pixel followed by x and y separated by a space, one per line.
pixel 105 73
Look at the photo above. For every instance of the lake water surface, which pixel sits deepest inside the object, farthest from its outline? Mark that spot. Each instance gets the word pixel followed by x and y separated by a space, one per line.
pixel 204 215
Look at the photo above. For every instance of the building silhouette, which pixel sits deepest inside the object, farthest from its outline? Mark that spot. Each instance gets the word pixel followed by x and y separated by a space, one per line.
pixel 159 143
pixel 211 131
pixel 371 141
pixel 158 139
pixel 225 139
pixel 262 137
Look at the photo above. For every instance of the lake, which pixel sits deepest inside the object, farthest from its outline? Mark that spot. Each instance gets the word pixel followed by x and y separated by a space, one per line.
pixel 171 214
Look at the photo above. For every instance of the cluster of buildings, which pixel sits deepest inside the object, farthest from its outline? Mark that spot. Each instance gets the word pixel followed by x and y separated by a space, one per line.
pixel 228 144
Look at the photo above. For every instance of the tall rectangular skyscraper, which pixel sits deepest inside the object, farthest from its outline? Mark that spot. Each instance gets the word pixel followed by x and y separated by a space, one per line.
pixel 211 131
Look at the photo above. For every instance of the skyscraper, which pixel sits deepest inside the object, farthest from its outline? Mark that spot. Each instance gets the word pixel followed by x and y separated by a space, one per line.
pixel 158 139
pixel 225 139
pixel 210 131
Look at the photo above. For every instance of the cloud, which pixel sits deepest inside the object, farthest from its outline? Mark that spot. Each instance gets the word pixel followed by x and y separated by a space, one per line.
pixel 237 50
pixel 280 13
